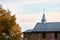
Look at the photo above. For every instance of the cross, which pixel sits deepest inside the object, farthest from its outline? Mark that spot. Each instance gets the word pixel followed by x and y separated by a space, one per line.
pixel 43 11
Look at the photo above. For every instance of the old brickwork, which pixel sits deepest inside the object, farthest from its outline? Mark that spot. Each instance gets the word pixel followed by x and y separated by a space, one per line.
pixel 39 36
pixel 50 36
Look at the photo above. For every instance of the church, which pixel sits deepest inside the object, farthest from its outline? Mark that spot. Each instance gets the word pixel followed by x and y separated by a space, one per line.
pixel 43 31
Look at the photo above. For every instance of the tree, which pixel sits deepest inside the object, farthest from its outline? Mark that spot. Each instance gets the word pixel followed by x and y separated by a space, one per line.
pixel 8 26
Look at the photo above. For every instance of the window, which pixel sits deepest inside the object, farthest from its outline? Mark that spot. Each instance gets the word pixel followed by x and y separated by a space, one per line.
pixel 56 35
pixel 43 35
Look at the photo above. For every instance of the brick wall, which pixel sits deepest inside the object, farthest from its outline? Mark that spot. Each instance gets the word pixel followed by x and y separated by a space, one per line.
pixel 27 36
pixel 50 36
pixel 39 36
pixel 58 36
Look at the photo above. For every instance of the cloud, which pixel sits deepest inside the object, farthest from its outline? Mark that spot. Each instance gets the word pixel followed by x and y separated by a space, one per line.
pixel 26 17
pixel 23 2
pixel 15 5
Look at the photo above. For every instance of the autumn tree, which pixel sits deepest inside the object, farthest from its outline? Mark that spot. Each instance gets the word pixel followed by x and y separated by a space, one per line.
pixel 9 29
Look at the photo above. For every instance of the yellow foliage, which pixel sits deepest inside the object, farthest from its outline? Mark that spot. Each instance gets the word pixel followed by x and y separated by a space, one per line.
pixel 8 24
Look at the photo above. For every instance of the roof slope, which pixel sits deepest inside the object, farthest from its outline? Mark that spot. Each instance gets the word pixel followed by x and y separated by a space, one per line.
pixel 51 26
pixel 28 31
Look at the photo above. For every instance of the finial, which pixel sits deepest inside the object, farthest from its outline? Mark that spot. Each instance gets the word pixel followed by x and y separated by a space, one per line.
pixel 43 11
pixel 43 17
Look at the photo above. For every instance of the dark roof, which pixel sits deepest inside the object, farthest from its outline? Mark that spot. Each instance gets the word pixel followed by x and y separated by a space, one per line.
pixel 46 27
pixel 28 31
pixel 50 26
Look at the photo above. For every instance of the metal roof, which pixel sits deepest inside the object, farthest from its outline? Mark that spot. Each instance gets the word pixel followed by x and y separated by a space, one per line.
pixel 46 27
pixel 29 30
pixel 51 26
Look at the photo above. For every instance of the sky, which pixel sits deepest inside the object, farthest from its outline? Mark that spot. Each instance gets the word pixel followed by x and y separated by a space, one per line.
pixel 29 12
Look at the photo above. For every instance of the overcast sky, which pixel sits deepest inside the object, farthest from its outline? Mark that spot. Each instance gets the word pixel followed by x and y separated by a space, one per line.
pixel 29 12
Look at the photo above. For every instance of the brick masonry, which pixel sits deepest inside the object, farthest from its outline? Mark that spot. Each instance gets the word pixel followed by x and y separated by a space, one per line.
pixel 39 36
